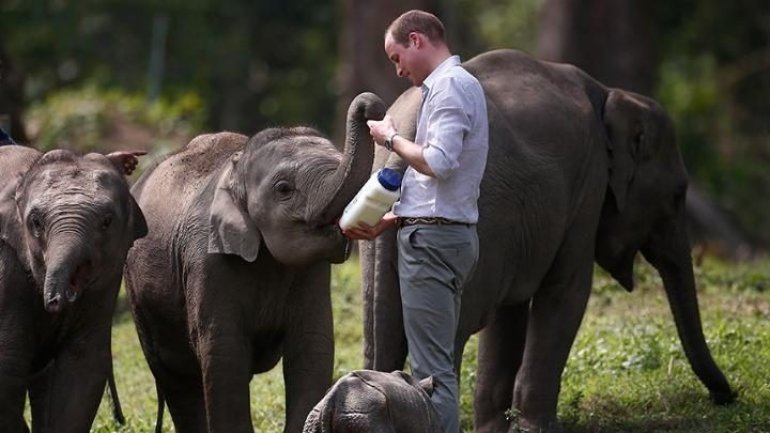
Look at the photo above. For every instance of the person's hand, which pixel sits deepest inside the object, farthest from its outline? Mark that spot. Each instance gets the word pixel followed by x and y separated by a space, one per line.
pixel 126 161
pixel 381 129
pixel 367 232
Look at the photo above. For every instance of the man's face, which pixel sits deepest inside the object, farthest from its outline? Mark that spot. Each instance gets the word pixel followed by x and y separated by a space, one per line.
pixel 408 60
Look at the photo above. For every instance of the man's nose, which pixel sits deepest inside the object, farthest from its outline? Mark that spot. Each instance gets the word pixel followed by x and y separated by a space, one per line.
pixel 400 71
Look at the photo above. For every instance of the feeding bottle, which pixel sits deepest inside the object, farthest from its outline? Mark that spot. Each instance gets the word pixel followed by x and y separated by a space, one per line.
pixel 374 199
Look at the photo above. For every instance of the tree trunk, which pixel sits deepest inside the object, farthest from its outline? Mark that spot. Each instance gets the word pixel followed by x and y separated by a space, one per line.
pixel 11 97
pixel 610 40
pixel 364 66
pixel 607 38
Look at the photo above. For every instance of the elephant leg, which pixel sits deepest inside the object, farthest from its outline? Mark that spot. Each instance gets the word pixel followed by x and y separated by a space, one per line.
pixel 38 392
pixel 177 374
pixel 385 347
pixel 308 349
pixel 17 347
pixel 555 315
pixel 66 396
pixel 12 394
pixel 501 347
pixel 184 396
pixel 225 358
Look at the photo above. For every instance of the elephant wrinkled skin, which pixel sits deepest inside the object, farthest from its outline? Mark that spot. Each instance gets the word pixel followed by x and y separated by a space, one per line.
pixel 235 272
pixel 66 224
pixel 576 172
pixel 366 401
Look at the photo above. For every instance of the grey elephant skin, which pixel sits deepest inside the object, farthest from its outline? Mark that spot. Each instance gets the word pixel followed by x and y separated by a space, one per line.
pixel 235 272
pixel 576 172
pixel 366 401
pixel 66 224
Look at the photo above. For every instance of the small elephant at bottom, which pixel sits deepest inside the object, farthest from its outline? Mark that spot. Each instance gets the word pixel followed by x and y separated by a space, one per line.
pixel 376 402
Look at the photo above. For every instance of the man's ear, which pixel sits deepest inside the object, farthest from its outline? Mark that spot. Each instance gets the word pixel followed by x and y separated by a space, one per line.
pixel 415 39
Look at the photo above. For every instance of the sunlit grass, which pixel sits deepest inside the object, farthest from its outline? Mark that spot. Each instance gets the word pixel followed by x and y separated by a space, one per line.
pixel 626 373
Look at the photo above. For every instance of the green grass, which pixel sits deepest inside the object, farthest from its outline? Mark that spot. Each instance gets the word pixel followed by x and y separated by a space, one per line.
pixel 626 373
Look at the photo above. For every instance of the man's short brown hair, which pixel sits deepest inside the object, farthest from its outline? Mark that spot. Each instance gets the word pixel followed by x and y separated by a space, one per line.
pixel 416 21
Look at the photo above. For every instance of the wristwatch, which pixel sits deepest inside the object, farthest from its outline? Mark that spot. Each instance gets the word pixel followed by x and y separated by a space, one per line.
pixel 389 141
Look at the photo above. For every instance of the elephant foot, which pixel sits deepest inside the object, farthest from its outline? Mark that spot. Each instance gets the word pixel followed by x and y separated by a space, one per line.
pixel 521 425
pixel 723 398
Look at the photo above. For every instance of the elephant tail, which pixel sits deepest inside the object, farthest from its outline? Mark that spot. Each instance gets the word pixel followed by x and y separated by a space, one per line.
pixel 161 406
pixel 117 409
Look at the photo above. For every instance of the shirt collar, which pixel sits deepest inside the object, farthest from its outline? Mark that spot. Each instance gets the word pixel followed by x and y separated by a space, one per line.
pixel 440 69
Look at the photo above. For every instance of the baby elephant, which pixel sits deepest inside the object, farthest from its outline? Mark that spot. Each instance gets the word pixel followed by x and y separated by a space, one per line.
pixel 366 401
pixel 66 224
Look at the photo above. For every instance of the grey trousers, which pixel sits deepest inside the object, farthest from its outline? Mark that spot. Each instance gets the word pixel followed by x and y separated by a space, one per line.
pixel 434 262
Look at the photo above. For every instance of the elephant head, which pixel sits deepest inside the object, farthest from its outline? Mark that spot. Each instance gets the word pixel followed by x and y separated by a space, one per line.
pixel 288 187
pixel 68 220
pixel 377 402
pixel 645 211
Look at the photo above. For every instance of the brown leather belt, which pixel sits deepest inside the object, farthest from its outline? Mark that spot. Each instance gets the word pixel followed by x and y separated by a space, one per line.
pixel 410 221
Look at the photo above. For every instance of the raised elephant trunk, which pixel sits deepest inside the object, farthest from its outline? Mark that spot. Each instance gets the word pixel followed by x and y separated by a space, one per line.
pixel 669 253
pixel 68 266
pixel 356 163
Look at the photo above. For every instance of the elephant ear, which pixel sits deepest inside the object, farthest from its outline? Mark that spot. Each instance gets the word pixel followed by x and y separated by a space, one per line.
pixel 15 162
pixel 137 222
pixel 10 224
pixel 428 385
pixel 231 231
pixel 624 120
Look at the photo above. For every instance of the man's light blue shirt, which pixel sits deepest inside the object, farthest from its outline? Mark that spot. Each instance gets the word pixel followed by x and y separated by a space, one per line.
pixel 453 129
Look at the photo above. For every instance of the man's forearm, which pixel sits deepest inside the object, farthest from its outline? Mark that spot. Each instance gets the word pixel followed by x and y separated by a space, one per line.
pixel 412 154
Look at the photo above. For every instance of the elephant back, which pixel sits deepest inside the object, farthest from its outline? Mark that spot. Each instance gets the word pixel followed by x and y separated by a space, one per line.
pixel 178 178
pixel 539 100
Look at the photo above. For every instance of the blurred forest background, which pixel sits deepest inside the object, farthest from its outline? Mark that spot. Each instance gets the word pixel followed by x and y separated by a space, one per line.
pixel 147 74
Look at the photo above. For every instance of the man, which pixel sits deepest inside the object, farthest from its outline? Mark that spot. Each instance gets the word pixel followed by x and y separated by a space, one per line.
pixel 437 211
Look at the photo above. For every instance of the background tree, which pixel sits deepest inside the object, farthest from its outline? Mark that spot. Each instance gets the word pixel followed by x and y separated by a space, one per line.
pixel 152 73
pixel 611 40
pixel 11 96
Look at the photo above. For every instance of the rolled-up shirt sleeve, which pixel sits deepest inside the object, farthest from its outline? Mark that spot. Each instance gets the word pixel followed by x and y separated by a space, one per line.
pixel 448 123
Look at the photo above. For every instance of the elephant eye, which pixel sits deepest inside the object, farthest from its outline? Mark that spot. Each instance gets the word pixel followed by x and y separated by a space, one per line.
pixel 106 221
pixel 35 224
pixel 283 189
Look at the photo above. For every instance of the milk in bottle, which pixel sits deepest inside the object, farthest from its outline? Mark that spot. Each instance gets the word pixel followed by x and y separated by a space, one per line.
pixel 374 199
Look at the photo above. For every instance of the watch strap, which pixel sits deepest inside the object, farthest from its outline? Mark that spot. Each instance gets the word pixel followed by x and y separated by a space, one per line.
pixel 389 141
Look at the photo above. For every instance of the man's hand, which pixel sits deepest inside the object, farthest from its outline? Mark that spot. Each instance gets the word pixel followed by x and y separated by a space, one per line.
pixel 367 232
pixel 381 129
pixel 125 161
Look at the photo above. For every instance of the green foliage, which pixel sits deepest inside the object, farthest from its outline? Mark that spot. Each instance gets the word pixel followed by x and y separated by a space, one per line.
pixel 254 64
pixel 714 80
pixel 89 119
pixel 489 24
pixel 626 372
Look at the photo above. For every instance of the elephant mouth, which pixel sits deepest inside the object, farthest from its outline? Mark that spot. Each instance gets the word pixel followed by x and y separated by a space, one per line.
pixel 341 243
pixel 77 281
pixel 329 230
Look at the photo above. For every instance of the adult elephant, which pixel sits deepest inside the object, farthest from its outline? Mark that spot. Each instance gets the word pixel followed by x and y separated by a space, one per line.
pixel 235 272
pixel 576 171
pixel 66 224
